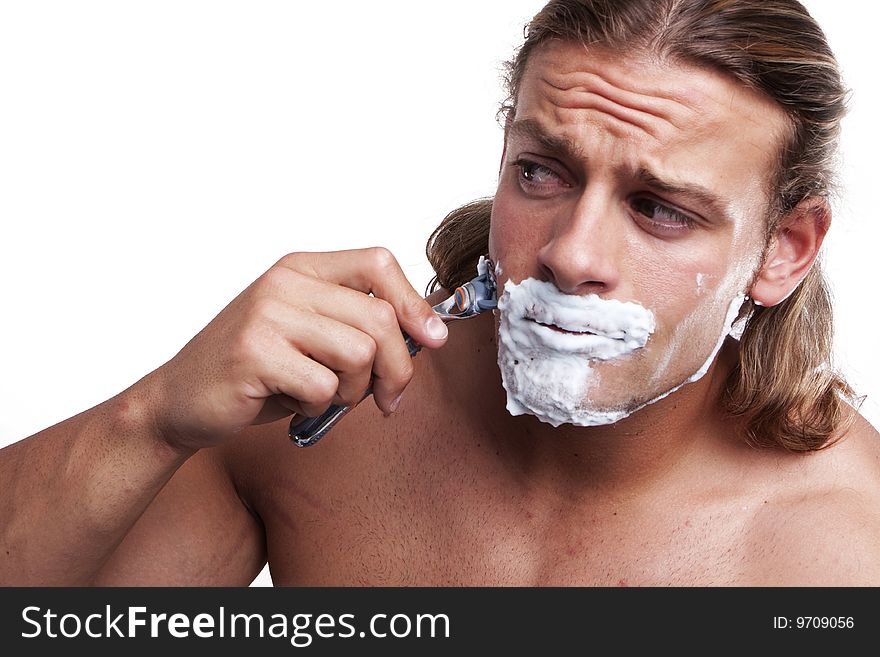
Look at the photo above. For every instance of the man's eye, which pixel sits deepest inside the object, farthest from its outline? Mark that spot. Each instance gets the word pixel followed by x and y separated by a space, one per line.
pixel 536 173
pixel 537 178
pixel 661 216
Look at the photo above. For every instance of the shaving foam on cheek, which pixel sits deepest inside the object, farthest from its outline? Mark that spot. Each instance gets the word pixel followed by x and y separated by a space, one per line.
pixel 547 341
pixel 732 312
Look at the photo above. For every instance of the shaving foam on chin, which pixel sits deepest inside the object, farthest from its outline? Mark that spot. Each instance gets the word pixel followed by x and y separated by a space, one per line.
pixel 547 342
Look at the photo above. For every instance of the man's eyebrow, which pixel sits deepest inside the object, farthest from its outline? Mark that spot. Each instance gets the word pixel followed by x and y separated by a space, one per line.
pixel 531 129
pixel 703 197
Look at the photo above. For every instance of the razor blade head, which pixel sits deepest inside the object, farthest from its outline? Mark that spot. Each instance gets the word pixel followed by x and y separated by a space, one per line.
pixel 474 297
pixel 460 300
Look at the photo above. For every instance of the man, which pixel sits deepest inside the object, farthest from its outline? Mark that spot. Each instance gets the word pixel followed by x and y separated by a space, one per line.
pixel 664 171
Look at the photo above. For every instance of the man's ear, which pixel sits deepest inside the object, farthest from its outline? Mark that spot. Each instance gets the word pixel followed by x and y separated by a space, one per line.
pixel 793 250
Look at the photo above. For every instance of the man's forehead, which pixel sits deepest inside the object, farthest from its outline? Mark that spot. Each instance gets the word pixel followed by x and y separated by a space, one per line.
pixel 655 96
pixel 678 124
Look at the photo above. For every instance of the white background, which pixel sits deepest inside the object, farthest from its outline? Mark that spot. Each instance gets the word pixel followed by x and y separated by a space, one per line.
pixel 156 157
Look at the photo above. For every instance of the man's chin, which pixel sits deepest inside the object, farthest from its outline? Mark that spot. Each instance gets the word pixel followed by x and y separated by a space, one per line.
pixel 548 408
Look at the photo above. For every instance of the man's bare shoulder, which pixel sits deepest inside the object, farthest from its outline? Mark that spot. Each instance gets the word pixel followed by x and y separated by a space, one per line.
pixel 822 528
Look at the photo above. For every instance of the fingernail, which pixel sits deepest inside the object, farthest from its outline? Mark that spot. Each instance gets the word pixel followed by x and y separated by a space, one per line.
pixel 436 328
pixel 396 403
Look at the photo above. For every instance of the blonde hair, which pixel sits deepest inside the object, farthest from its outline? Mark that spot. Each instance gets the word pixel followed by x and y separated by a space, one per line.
pixel 784 387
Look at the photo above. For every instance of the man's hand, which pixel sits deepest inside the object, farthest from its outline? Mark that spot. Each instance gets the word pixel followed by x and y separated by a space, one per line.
pixel 305 335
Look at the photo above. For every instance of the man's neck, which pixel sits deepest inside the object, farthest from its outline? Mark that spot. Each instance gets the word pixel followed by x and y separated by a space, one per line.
pixel 660 445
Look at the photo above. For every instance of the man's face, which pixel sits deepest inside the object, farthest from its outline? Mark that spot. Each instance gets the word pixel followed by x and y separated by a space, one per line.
pixel 639 182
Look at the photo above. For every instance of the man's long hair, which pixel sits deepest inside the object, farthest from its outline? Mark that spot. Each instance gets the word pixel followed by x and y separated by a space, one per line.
pixel 784 386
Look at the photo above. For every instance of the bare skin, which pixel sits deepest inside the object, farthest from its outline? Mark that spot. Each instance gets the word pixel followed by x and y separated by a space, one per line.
pixel 189 477
pixel 429 497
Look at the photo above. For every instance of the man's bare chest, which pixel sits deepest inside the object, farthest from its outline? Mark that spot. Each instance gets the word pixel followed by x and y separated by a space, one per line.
pixel 418 532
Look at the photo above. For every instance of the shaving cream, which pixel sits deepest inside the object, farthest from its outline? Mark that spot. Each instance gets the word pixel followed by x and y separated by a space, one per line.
pixel 729 320
pixel 549 342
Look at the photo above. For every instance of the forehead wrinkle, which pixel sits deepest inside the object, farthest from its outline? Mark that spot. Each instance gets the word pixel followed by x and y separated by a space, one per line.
pixel 665 103
pixel 656 117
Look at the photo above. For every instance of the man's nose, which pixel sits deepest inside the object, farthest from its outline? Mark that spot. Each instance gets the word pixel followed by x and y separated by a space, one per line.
pixel 583 254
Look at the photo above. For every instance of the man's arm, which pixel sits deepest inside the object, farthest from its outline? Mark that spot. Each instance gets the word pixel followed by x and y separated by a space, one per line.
pixel 85 486
pixel 196 532
pixel 314 330
pixel 72 491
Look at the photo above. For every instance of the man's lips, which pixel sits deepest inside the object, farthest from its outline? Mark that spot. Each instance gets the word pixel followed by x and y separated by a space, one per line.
pixel 559 329
pixel 589 342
